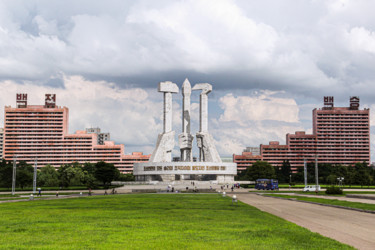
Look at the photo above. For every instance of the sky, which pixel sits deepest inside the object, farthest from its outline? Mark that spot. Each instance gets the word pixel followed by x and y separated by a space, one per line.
pixel 270 63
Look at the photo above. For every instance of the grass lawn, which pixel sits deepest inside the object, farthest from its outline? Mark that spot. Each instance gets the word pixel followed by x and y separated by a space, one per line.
pixel 56 188
pixel 150 221
pixel 329 201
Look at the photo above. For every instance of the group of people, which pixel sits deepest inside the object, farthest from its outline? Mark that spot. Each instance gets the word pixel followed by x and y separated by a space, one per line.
pixel 112 192
pixel 236 185
pixel 171 189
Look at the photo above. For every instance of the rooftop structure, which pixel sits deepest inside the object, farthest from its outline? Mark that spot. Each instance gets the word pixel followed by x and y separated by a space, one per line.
pixel 41 132
pixel 341 135
pixel 102 137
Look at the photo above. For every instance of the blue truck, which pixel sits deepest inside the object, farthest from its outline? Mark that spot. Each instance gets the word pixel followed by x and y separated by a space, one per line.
pixel 266 184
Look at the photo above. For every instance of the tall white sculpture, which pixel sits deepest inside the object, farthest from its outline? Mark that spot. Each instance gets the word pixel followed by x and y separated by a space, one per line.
pixel 160 166
pixel 205 142
pixel 165 142
pixel 185 139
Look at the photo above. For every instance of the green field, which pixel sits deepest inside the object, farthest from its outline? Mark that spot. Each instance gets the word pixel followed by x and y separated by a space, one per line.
pixel 335 202
pixel 150 221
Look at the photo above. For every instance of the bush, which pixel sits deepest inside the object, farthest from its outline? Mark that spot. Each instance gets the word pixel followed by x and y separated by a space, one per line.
pixel 333 190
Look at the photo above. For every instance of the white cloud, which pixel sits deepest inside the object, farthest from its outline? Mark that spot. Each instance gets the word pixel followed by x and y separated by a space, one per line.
pixel 128 114
pixel 362 39
pixel 243 109
pixel 254 120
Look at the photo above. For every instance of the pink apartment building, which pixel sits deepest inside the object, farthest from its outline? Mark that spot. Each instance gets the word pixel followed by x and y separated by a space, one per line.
pixel 341 135
pixel 41 132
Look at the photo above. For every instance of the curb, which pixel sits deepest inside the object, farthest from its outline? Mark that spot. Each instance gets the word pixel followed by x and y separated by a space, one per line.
pixel 321 204
pixel 358 196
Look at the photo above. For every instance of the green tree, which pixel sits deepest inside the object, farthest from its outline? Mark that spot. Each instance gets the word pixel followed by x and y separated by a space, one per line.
pixel 331 179
pixel 260 170
pixel 126 177
pixel 66 174
pixel 283 173
pixel 6 171
pixel 24 175
pixel 48 177
pixel 106 172
pixel 362 174
pixel 89 168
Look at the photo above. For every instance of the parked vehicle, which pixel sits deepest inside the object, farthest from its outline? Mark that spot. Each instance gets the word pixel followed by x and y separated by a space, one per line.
pixel 311 188
pixel 266 184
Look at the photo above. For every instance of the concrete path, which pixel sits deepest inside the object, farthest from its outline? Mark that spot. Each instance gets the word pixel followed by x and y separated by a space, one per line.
pixel 350 227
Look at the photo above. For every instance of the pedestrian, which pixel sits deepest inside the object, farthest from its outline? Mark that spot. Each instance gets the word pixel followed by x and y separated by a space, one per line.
pixel 39 192
pixel 232 188
pixel 89 191
pixel 105 192
pixel 172 189
pixel 57 194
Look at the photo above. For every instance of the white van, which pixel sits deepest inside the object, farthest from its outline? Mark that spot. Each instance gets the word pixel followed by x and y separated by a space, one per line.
pixel 311 188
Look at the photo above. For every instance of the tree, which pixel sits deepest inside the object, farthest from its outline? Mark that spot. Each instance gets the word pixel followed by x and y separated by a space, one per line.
pixel 126 177
pixel 6 172
pixel 24 176
pixel 331 179
pixel 106 172
pixel 283 173
pixel 362 175
pixel 260 170
pixel 66 173
pixel 48 177
pixel 88 179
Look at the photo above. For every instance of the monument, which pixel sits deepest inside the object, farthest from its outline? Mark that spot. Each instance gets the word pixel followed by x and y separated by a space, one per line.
pixel 160 166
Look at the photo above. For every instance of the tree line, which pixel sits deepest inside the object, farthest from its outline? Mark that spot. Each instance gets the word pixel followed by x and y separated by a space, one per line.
pixel 88 174
pixel 357 174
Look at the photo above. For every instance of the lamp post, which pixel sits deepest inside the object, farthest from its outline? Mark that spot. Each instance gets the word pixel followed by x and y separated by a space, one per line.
pixel 316 174
pixel 305 171
pixel 14 176
pixel 340 179
pixel 35 172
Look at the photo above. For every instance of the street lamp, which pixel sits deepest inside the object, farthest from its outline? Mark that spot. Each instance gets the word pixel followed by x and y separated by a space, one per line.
pixel 340 179
pixel 14 175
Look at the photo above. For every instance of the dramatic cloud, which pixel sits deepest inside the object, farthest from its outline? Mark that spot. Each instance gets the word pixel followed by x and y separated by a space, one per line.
pixel 103 58
pixel 254 120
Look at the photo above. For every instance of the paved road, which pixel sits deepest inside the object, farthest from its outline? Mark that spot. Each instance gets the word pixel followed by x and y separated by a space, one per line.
pixel 353 228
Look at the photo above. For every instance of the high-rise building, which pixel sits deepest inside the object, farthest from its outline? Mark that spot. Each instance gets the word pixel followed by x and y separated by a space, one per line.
pixel 341 135
pixel 41 132
pixel 102 137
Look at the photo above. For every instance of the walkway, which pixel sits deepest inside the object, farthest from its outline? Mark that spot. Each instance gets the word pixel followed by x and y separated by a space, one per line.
pixel 353 228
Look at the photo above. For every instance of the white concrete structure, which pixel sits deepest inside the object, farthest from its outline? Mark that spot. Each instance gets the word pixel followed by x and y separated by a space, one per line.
pixel 210 166
pixel 205 142
pixel 185 139
pixel 165 142
pixel 166 171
